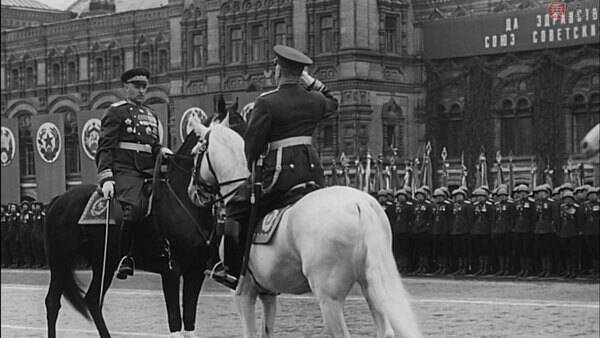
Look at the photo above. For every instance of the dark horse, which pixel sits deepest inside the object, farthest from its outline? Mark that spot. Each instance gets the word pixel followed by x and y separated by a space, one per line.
pixel 187 227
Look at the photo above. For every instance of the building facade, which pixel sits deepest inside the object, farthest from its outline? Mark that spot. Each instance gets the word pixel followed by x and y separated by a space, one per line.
pixel 393 97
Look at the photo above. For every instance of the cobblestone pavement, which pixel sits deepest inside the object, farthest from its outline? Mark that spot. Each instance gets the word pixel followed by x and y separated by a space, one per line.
pixel 445 308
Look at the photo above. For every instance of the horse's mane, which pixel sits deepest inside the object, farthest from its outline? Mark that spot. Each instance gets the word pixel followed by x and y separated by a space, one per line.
pixel 220 134
pixel 186 147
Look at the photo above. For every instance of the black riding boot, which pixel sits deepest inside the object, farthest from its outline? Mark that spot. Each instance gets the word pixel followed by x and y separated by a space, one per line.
pixel 127 264
pixel 228 271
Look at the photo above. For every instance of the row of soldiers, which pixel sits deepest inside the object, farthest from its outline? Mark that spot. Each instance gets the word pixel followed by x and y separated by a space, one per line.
pixel 23 235
pixel 545 232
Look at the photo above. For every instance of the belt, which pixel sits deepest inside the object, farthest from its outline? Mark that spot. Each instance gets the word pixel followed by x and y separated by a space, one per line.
pixel 144 148
pixel 290 141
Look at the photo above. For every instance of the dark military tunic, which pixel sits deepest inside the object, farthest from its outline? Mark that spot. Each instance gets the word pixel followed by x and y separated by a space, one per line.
pixel 37 237
pixel 25 231
pixel 591 229
pixel 571 223
pixel 285 112
pixel 524 220
pixel 421 228
pixel 12 237
pixel 502 227
pixel 441 218
pixel 126 121
pixel 462 221
pixel 4 246
pixel 482 227
pixel 404 217
pixel 546 216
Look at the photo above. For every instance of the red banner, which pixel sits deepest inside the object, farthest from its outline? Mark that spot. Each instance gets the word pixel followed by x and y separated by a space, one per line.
pixel 88 125
pixel 49 154
pixel 508 32
pixel 9 155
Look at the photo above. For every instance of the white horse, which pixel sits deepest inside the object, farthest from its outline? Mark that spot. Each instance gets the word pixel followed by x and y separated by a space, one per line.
pixel 328 241
pixel 590 144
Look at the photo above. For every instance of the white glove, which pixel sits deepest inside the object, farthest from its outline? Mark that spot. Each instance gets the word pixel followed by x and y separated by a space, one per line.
pixel 310 82
pixel 108 189
pixel 164 151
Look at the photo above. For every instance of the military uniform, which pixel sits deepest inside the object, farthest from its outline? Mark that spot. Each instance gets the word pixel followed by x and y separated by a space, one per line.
pixel 280 126
pixel 25 229
pixel 441 220
pixel 12 236
pixel 127 150
pixel 503 225
pixel 480 231
pixel 591 230
pixel 400 231
pixel 37 237
pixel 462 221
pixel 421 231
pixel 546 210
pixel 4 227
pixel 523 238
pixel 571 223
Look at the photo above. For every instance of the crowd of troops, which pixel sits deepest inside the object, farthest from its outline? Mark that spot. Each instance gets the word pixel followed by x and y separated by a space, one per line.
pixel 542 232
pixel 23 235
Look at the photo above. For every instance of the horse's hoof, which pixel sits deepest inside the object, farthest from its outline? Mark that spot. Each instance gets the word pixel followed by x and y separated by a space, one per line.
pixel 178 334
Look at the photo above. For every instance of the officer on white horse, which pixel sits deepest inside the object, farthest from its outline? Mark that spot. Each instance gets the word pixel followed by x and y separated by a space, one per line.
pixel 280 126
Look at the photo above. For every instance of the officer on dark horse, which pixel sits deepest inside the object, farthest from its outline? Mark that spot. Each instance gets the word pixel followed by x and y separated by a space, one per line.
pixel 127 149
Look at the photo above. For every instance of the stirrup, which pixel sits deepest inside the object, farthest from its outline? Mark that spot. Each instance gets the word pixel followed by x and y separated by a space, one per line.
pixel 224 279
pixel 129 271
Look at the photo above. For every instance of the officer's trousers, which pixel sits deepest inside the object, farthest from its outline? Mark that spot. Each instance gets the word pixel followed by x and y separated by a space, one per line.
pixel 25 240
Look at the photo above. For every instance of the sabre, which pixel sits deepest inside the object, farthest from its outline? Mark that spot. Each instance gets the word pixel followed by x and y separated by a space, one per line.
pixel 104 253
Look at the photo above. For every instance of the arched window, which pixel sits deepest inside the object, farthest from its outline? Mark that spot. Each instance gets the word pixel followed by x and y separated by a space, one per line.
pixel 391 117
pixel 15 79
pixel 29 78
pixel 99 69
pixel 235 38
pixel 26 145
pixel 197 50
pixel 586 114
pixel 71 72
pixel 280 30
pixel 145 59
pixel 516 127
pixel 116 67
pixel 163 61
pixel 56 74
pixel 450 131
pixel 71 142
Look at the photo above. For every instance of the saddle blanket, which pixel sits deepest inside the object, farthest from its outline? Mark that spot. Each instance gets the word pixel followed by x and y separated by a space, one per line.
pixel 95 210
pixel 268 225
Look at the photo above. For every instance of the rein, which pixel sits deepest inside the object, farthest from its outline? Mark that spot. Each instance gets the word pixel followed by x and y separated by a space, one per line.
pixel 212 189
pixel 155 185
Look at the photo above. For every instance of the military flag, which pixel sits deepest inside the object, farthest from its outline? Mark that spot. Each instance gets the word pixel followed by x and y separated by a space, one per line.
pixel 360 174
pixel 445 166
pixel 533 181
pixel 511 173
pixel 567 171
pixel 463 171
pixel 580 174
pixel 367 187
pixel 9 155
pixel 344 162
pixel 379 181
pixel 395 179
pixel 407 184
pixel 548 174
pixel 49 157
pixel 482 177
pixel 334 173
pixel 427 176
pixel 416 175
pixel 499 173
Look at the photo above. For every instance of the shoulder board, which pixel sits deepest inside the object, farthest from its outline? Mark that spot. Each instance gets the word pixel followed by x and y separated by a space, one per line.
pixel 489 203
pixel 551 199
pixel 467 202
pixel 530 199
pixel 447 202
pixel 409 203
pixel 427 202
pixel 269 92
pixel 576 205
pixel 118 103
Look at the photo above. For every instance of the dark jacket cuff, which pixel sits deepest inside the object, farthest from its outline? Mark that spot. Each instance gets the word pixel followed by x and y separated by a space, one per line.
pixel 105 175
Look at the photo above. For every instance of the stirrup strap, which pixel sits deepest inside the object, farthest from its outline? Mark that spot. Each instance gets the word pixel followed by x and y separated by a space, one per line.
pixel 212 271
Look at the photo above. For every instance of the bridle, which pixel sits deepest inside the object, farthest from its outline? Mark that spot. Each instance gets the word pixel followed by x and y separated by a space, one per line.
pixel 212 189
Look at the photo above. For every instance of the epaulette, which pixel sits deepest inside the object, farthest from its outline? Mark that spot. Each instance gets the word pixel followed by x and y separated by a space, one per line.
pixel 269 92
pixel 409 203
pixel 489 203
pixel 447 202
pixel 118 103
pixel 530 199
pixel 576 205
pixel 467 202
pixel 427 202
pixel 551 199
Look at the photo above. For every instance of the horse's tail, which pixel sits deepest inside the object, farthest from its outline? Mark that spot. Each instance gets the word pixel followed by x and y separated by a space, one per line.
pixel 73 292
pixel 383 286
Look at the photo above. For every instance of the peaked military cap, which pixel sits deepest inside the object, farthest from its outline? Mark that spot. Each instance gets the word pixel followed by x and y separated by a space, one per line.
pixel 556 191
pixel 522 188
pixel 594 190
pixel 427 189
pixel 136 75
pixel 583 188
pixel 566 186
pixel 485 188
pixel 539 188
pixel 381 192
pixel 567 194
pixel 446 191
pixel 422 191
pixel 291 55
pixel 25 203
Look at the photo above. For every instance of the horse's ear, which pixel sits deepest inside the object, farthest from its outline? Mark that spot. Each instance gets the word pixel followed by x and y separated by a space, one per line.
pixel 225 121
pixel 198 127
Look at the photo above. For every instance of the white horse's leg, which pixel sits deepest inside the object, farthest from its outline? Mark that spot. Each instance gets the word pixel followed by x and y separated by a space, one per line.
pixel 332 310
pixel 246 303
pixel 270 311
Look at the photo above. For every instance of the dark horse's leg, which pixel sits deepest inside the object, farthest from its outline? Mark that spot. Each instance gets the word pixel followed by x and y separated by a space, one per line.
pixel 94 254
pixel 58 272
pixel 192 282
pixel 170 285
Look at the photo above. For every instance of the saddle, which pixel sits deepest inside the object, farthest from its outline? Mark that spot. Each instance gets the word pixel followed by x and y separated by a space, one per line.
pixel 267 226
pixel 94 212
